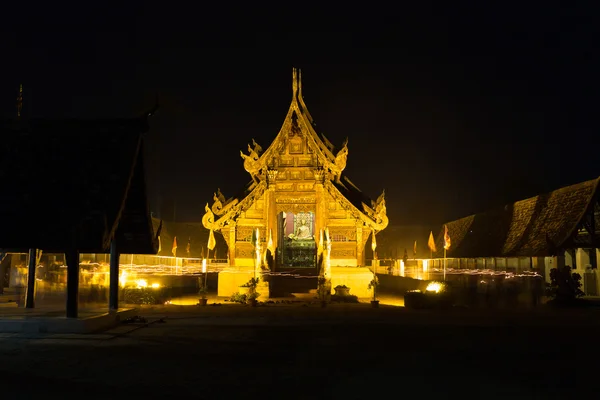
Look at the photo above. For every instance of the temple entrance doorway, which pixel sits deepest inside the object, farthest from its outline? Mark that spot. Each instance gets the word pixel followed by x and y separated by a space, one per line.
pixel 296 255
pixel 297 240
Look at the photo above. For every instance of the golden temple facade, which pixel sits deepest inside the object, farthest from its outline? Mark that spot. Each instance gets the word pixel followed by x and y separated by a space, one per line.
pixel 297 192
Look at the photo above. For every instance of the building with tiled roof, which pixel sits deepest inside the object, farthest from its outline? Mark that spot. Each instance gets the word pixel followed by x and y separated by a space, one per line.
pixel 562 226
pixel 73 187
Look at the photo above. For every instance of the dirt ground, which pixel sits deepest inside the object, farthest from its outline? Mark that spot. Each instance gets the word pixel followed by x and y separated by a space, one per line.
pixel 296 351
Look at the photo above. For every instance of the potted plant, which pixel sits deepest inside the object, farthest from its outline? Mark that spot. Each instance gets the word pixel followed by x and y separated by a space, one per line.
pixel 342 290
pixel 252 297
pixel 252 294
pixel 202 292
pixel 373 285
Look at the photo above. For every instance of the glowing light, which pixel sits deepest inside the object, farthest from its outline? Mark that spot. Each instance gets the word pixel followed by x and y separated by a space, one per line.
pixel 141 283
pixel 401 267
pixel 204 265
pixel 435 287
pixel 123 278
pixel 425 264
pixel 155 285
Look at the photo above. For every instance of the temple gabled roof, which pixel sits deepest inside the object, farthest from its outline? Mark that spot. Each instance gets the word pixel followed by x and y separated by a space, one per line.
pixel 537 226
pixel 330 163
pixel 297 119
pixel 74 183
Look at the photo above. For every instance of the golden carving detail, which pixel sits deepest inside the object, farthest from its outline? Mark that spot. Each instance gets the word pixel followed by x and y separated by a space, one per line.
pixel 251 161
pixel 243 234
pixel 319 174
pixel 295 207
pixel 377 212
pixel 310 200
pixel 343 253
pixel 271 176
pixel 305 186
pixel 221 205
pixel 287 161
pixel 244 252
pixel 208 219
pixel 349 233
pixel 340 160
pixel 296 145
pixel 305 161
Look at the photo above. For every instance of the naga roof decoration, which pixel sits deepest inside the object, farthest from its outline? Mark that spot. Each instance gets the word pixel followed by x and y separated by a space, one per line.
pixel 330 166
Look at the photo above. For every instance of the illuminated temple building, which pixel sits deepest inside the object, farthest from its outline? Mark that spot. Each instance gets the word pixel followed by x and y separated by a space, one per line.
pixel 298 200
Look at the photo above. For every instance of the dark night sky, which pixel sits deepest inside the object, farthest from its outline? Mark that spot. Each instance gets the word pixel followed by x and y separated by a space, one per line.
pixel 451 110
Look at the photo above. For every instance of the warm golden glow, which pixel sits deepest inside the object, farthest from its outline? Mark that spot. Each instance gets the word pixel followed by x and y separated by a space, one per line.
pixel 141 283
pixel 435 287
pixel 155 285
pixel 204 265
pixel 425 262
pixel 123 278
pixel 401 267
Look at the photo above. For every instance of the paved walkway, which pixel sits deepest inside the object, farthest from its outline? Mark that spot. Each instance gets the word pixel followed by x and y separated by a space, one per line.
pixel 307 352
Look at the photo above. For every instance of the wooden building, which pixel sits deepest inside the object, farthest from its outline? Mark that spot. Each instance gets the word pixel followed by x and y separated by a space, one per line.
pixel 72 187
pixel 297 193
pixel 539 233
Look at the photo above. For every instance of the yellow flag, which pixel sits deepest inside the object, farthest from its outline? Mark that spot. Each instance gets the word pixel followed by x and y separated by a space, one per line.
pixel 373 242
pixel 211 240
pixel 431 242
pixel 174 249
pixel 446 238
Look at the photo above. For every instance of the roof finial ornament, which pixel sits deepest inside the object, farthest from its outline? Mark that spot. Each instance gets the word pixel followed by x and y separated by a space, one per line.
pixel 294 83
pixel 299 83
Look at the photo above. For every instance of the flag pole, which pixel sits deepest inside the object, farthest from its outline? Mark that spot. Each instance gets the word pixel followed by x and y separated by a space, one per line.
pixel 444 263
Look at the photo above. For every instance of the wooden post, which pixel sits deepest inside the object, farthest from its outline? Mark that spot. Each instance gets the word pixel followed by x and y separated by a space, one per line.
pixel 113 295
pixel 3 260
pixel 72 257
pixel 30 294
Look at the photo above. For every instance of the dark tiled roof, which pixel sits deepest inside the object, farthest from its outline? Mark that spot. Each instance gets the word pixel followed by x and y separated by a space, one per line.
pixel 537 226
pixel 352 193
pixel 74 181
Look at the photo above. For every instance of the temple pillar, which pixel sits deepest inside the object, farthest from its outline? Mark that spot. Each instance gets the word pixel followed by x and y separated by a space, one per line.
pixel 360 247
pixel 272 217
pixel 320 211
pixel 232 228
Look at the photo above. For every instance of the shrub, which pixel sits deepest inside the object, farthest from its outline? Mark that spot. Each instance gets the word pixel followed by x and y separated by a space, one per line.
pixel 146 295
pixel 565 286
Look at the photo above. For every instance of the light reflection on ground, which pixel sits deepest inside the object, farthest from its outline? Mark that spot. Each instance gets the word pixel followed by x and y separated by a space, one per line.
pixel 191 300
